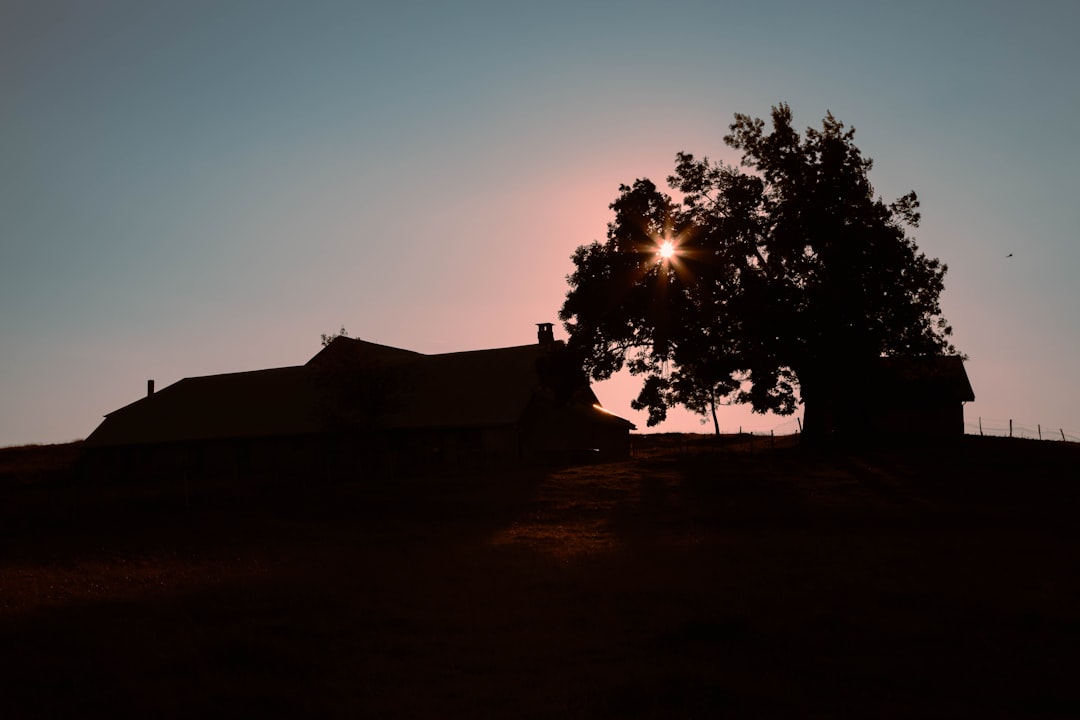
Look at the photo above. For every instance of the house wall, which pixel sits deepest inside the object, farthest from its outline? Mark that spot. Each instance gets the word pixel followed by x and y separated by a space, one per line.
pixel 308 458
pixel 434 449
pixel 563 434
pixel 236 461
pixel 934 419
pixel 350 456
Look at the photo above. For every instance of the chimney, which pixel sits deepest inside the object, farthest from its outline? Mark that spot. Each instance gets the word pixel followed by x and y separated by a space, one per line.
pixel 545 334
pixel 149 388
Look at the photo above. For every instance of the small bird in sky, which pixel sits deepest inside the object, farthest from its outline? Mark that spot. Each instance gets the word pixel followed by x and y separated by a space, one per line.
pixel 1009 255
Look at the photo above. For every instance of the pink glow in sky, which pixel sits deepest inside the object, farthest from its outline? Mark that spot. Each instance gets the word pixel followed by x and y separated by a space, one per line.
pixel 196 188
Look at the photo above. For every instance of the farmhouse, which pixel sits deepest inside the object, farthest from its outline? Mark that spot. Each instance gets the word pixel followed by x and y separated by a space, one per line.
pixel 361 406
pixel 895 397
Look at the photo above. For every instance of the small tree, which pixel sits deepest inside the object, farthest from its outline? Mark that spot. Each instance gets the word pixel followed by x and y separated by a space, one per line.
pixel 327 339
pixel 782 277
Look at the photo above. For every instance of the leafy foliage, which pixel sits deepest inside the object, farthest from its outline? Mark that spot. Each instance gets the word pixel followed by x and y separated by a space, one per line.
pixel 328 338
pixel 790 277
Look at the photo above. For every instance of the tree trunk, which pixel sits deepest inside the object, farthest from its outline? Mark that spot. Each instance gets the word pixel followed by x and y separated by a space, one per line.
pixel 817 409
pixel 813 425
pixel 836 402
pixel 715 422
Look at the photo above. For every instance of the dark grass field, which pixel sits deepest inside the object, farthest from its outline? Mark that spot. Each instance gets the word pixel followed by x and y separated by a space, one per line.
pixel 700 579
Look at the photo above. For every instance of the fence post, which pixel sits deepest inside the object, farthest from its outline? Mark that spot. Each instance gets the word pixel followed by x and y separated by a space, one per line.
pixel 1010 427
pixel 1040 430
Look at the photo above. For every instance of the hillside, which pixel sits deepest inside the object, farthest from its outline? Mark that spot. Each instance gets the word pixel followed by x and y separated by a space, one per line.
pixel 701 578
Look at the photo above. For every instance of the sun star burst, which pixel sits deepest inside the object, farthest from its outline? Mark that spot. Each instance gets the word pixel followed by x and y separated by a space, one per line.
pixel 666 250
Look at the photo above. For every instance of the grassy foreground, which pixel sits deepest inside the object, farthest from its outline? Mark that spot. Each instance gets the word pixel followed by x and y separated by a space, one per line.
pixel 700 579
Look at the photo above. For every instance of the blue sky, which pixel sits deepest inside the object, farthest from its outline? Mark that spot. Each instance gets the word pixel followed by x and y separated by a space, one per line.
pixel 190 188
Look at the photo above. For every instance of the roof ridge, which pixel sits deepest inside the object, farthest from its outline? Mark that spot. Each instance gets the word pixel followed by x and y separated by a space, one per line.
pixel 485 350
pixel 234 373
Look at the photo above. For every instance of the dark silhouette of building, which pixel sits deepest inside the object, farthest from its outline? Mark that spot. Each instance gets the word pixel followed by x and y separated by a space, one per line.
pixel 360 406
pixel 894 397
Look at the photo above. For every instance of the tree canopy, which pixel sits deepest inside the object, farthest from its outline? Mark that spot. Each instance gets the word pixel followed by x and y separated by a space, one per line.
pixel 785 277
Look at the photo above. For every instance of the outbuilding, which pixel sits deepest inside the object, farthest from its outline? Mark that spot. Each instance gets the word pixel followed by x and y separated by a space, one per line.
pixel 894 397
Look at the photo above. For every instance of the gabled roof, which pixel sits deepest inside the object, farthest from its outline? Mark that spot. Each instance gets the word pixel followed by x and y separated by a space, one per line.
pixel 350 352
pixel 940 377
pixel 353 383
pixel 464 389
pixel 476 388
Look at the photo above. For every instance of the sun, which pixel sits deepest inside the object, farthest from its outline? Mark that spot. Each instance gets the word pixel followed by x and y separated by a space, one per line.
pixel 666 250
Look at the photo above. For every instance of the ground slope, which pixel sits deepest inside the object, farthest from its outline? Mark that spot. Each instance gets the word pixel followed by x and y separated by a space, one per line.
pixel 699 579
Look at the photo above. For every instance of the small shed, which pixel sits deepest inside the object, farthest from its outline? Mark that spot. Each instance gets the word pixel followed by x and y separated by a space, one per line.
pixel 896 397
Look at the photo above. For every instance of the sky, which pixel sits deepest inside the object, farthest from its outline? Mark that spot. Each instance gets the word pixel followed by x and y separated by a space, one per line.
pixel 191 188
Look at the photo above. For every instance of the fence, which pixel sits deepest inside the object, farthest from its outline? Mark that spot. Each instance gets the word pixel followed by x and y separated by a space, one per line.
pixel 1010 428
pixel 980 426
pixel 788 427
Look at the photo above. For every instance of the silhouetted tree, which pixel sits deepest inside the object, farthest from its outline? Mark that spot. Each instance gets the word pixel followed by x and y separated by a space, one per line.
pixel 788 277
pixel 329 338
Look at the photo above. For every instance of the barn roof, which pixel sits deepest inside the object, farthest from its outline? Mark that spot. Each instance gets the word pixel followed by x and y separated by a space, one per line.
pixel 477 388
pixel 260 403
pixel 352 382
pixel 940 377
pixel 344 352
